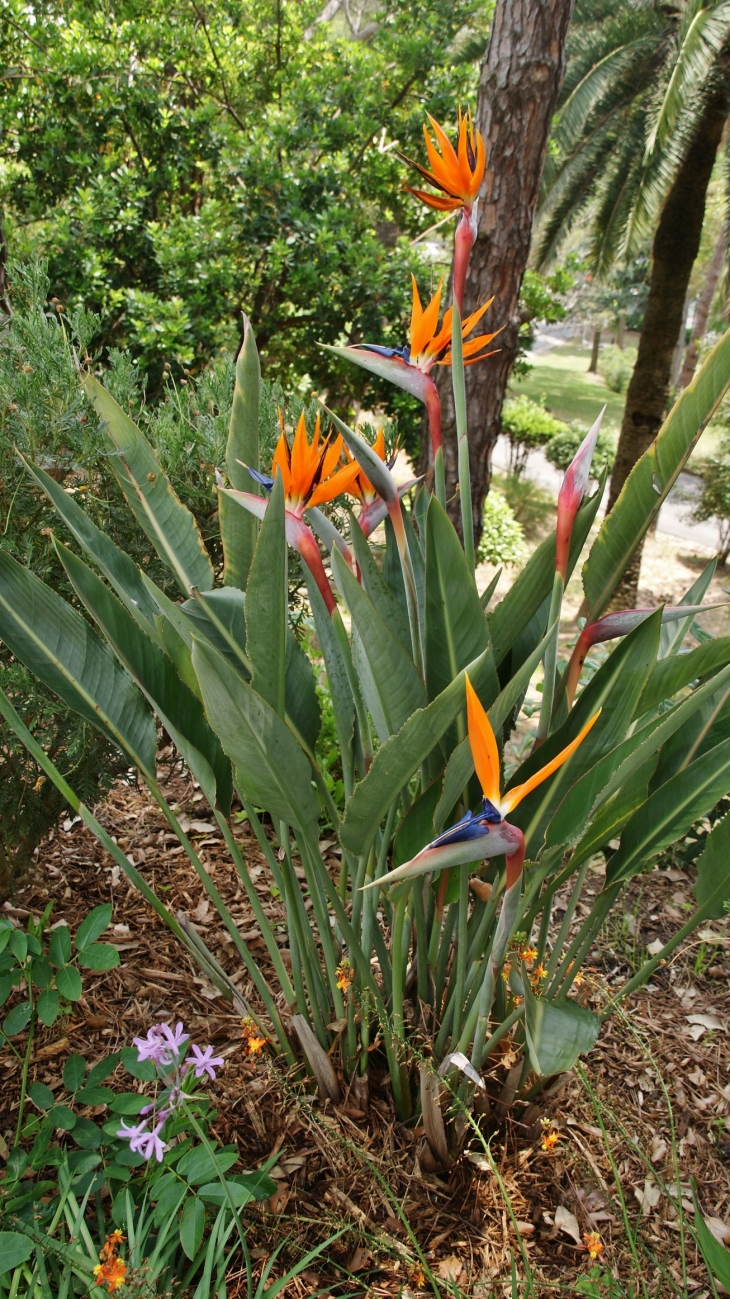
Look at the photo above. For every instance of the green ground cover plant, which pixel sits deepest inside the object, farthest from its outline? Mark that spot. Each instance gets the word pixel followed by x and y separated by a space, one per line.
pixel 430 944
pixel 561 378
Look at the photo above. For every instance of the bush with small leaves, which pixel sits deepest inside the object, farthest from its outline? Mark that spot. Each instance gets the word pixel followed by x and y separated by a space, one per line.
pixel 503 539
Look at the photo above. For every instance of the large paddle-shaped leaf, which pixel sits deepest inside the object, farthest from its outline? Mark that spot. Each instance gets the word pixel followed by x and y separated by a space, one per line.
pixel 383 598
pixel 653 477
pixel 168 523
pixel 670 812
pixel 614 689
pixel 60 647
pixel 557 1032
pixel 266 604
pixel 713 871
pixel 270 765
pixel 456 628
pixel 239 529
pixel 119 570
pixel 392 685
pixel 672 674
pixel 179 709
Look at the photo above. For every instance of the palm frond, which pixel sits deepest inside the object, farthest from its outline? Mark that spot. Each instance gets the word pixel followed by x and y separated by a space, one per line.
pixel 704 31
pixel 574 191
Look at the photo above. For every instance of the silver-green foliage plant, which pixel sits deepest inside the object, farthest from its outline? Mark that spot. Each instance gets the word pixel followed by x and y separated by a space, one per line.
pixel 395 951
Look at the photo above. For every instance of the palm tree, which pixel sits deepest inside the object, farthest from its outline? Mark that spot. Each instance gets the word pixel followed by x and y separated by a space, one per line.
pixel 640 122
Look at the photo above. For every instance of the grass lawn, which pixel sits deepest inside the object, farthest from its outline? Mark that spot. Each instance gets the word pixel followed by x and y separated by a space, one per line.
pixel 560 377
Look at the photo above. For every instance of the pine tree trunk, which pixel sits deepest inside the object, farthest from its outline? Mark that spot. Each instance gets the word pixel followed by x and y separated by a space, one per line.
pixel 675 248
pixel 520 81
pixel 593 367
pixel 703 308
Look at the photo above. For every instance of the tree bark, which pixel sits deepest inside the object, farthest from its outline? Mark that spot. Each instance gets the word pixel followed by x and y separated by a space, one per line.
pixel 703 308
pixel 520 81
pixel 675 248
pixel 593 367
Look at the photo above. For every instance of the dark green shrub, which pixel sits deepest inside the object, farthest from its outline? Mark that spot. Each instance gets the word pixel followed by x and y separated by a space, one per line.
pixel 561 449
pixel 527 425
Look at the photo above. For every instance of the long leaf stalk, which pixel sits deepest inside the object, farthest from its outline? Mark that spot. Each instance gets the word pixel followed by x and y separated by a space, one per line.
pixel 439 478
pixel 567 920
pixel 457 380
pixel 586 935
pixel 550 661
pixel 505 928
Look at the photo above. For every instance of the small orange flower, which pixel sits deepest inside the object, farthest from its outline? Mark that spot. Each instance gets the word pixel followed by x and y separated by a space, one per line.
pixel 528 954
pixel 593 1243
pixel 255 1043
pixel 344 972
pixel 428 342
pixel 550 1135
pixel 457 173
pixel 111 1271
pixel 538 974
pixel 361 487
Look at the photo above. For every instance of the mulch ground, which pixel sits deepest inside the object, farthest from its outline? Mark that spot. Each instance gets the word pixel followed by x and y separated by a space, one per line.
pixel 339 1167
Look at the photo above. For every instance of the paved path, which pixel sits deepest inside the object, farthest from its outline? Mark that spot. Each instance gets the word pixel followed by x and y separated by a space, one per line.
pixel 672 516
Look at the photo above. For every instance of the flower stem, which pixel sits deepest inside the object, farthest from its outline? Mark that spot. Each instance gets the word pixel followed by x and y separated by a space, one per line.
pixel 26 1058
pixel 457 380
pixel 550 662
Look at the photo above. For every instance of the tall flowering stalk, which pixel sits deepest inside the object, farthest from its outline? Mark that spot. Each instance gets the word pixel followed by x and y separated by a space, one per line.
pixel 570 499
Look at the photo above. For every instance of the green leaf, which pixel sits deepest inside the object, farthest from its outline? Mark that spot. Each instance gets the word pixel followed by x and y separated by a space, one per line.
pixel 60 647
pixel 41 1095
pixel 672 674
pixel 47 1006
pixel 19 945
pixel 93 925
pixel 386 603
pixel 456 629
pixel 94 1096
pixel 652 477
pixel 614 812
pixel 214 1193
pixel 14 1250
pixel 670 812
pixel 17 1162
pixel 614 689
pixel 392 686
pixel 180 710
pixel 74 1072
pixel 119 570
pixel 716 1257
pixel 713 870
pixel 6 987
pixel 557 1032
pixel 103 1069
pixel 416 829
pixel 619 764
pixel 100 956
pixel 238 527
pixel 191 1226
pixel 266 604
pixel 707 727
pixel 17 1019
pixel 271 766
pixel 401 756
pixel 337 671
pixel 40 972
pixel 168 523
pixel 59 946
pixel 61 1116
pixel 301 704
pixel 220 617
pixel 142 1069
pixel 87 1135
pixel 197 1164
pixel 68 982
pixel 128 1103
pixel 532 588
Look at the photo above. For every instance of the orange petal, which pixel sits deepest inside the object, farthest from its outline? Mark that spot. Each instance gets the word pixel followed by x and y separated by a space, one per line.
pixel 468 324
pixel 281 460
pixel 332 458
pixel 422 335
pixel 435 200
pixel 483 745
pixel 301 469
pixel 379 444
pixel 516 795
pixel 416 315
pixel 340 482
pixel 447 164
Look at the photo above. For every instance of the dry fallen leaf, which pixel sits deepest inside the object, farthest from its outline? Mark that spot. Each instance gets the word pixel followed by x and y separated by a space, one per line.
pixel 654 948
pixel 649 1197
pixel 450 1268
pixel 658 1149
pixel 359 1259
pixel 719 1229
pixel 704 1022
pixel 53 1048
pixel 278 1201
pixel 567 1222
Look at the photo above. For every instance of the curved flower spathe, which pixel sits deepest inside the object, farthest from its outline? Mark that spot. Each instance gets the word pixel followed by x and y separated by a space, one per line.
pixel 373 507
pixel 485 833
pixel 457 173
pixel 311 475
pixel 571 495
pixel 410 367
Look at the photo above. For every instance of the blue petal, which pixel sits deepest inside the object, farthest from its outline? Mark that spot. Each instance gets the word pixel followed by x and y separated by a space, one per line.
pixel 401 352
pixel 264 479
pixel 490 813
pixel 471 826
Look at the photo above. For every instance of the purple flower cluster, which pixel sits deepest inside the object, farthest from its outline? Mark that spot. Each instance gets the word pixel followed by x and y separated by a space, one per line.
pixel 164 1046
